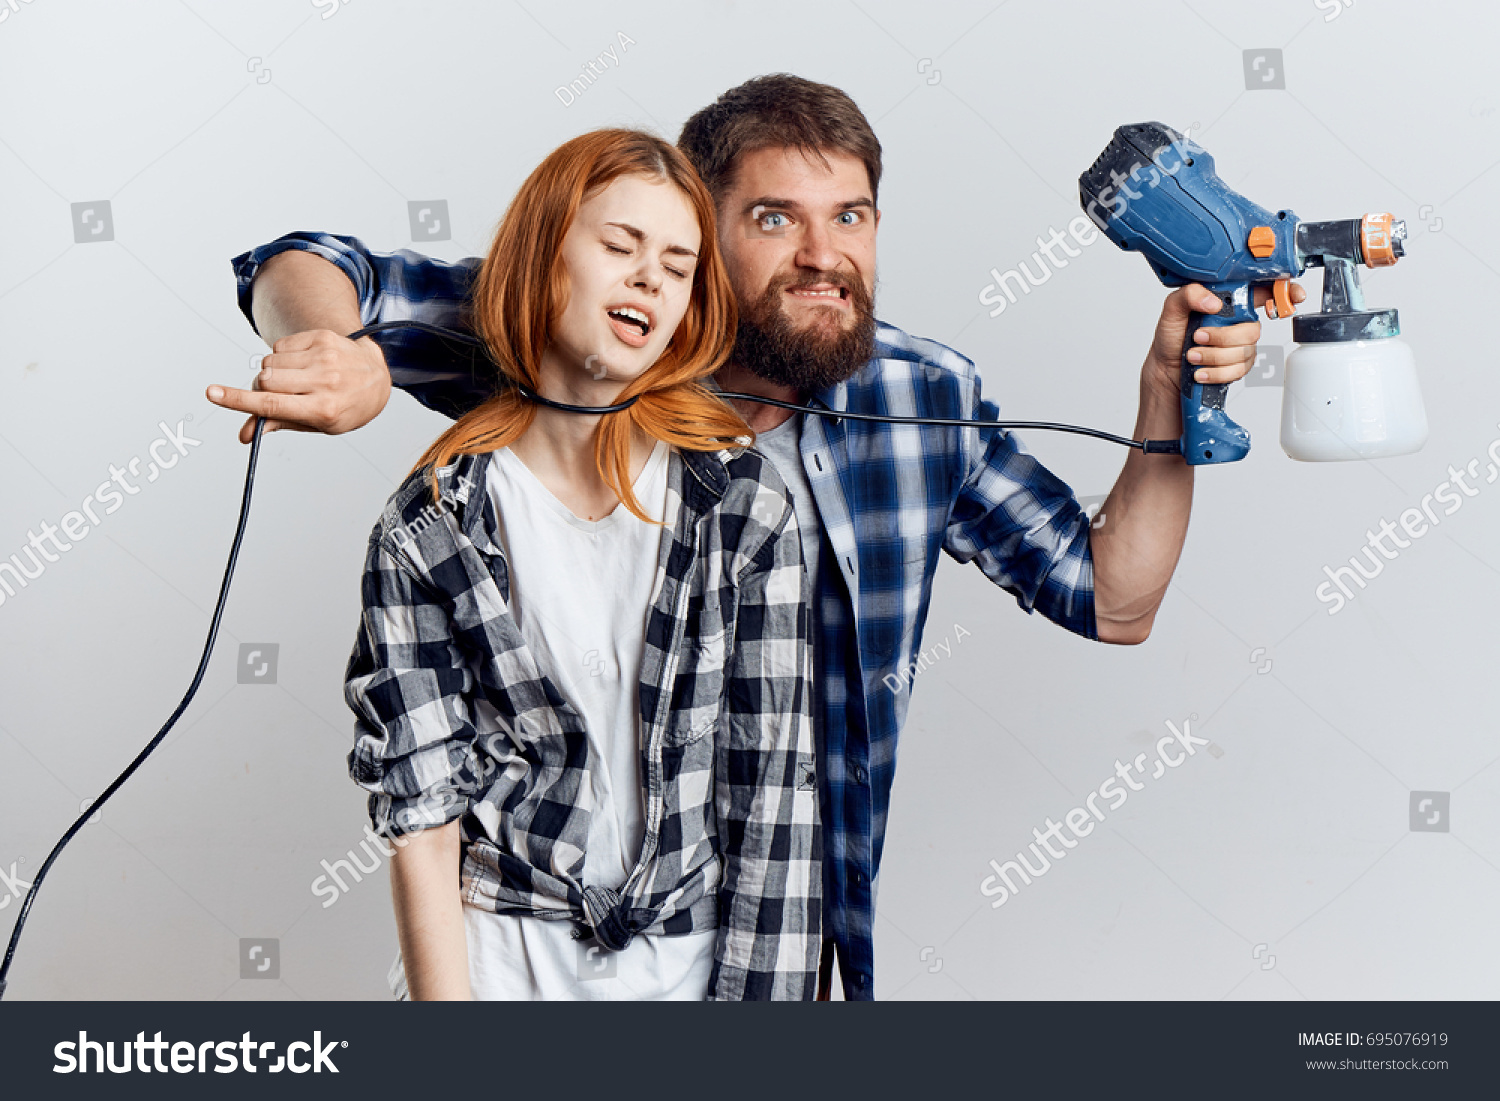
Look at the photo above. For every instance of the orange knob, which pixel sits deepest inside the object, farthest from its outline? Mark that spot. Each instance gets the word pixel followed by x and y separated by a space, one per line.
pixel 1262 242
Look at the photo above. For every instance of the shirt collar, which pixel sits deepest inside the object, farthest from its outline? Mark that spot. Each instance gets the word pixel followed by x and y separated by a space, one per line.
pixel 461 486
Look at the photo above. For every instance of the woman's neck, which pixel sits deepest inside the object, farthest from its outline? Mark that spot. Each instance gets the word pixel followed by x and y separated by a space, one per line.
pixel 559 449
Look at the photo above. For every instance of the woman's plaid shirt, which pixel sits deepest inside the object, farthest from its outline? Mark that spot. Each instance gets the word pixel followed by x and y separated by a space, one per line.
pixel 456 720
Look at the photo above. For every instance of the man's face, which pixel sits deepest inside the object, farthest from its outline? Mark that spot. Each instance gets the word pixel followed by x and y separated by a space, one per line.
pixel 798 237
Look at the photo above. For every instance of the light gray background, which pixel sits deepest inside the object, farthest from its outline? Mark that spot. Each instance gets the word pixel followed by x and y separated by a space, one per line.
pixel 1295 837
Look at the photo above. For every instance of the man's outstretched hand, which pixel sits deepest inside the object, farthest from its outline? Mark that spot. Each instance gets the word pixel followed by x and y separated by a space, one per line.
pixel 315 381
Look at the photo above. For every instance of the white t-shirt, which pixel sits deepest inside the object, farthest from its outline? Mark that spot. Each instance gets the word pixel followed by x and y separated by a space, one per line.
pixel 580 591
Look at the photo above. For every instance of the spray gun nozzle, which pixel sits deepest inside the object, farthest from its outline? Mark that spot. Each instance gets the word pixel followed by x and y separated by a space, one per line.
pixel 1398 240
pixel 1379 244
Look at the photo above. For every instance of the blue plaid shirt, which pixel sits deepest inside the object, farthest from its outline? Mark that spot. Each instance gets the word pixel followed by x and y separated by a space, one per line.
pixel 890 498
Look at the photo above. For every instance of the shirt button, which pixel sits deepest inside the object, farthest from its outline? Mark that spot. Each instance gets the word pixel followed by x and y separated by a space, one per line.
pixel 860 775
pixel 857 878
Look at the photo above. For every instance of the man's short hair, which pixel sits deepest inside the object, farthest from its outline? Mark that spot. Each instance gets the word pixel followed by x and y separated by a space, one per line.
pixel 777 110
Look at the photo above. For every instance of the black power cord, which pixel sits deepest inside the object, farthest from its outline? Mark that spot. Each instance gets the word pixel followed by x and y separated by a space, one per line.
pixel 525 391
pixel 1159 447
pixel 1150 447
pixel 208 647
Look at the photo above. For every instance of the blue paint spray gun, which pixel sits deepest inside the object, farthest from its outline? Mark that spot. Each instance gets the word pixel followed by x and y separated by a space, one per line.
pixel 1354 394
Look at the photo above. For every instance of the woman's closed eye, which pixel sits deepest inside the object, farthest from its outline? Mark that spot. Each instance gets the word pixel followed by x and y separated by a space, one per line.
pixel 626 252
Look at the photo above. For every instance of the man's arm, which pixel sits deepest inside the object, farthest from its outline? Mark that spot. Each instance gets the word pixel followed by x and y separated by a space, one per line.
pixel 1020 524
pixel 295 291
pixel 306 291
pixel 1143 522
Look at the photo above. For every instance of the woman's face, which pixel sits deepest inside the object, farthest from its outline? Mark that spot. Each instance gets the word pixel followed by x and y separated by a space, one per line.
pixel 630 256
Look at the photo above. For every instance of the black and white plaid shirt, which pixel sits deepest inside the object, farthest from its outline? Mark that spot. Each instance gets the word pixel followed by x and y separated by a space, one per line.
pixel 456 720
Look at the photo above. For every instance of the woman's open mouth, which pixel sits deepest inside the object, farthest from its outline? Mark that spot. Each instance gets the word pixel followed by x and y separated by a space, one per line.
pixel 630 324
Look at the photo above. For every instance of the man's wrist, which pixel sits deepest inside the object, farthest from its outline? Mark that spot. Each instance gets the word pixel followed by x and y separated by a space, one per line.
pixel 1160 414
pixel 1161 378
pixel 1160 386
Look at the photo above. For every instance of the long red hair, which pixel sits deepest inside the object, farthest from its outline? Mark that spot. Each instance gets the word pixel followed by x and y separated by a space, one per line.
pixel 522 288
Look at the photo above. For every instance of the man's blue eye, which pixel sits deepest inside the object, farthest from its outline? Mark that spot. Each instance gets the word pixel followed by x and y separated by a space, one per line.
pixel 766 223
pixel 853 217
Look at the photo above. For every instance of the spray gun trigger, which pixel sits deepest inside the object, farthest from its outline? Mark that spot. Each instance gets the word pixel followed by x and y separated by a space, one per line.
pixel 1281 299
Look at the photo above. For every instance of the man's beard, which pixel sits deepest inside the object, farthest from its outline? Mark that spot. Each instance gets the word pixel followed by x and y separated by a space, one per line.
pixel 770 346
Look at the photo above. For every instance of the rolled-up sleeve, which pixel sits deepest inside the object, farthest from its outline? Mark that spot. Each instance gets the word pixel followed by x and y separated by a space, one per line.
pixel 448 376
pixel 348 254
pixel 766 790
pixel 408 686
pixel 1023 527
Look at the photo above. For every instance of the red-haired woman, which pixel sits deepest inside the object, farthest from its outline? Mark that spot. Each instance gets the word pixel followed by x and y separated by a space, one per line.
pixel 581 677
